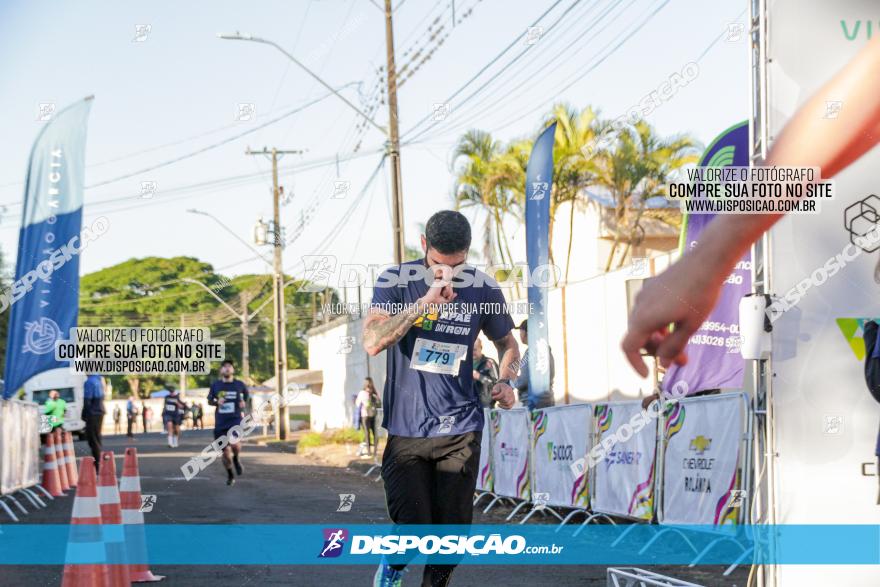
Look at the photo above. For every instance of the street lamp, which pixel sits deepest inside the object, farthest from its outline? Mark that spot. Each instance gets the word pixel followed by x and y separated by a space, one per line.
pixel 229 230
pixel 392 133
pixel 237 36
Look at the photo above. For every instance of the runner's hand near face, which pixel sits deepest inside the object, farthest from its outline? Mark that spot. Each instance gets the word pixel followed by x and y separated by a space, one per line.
pixel 440 291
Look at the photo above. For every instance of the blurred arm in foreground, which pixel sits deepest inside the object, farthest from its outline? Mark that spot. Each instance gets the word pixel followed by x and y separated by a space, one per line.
pixel 684 294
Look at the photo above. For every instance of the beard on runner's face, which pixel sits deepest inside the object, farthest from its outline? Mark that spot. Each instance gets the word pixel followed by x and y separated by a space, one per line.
pixel 226 371
pixel 445 266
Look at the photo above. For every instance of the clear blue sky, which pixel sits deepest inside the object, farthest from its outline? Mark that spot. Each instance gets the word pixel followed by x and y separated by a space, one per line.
pixel 178 91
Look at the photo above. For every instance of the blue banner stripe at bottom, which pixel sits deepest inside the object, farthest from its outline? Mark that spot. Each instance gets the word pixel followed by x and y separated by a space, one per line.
pixel 280 544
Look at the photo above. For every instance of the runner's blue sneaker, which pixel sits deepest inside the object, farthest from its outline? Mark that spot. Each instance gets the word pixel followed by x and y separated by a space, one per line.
pixel 386 576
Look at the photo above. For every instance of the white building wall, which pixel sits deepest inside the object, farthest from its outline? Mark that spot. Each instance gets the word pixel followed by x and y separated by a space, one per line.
pixel 344 371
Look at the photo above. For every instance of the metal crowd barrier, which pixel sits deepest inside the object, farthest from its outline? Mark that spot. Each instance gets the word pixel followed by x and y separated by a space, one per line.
pixel 20 455
pixel 534 478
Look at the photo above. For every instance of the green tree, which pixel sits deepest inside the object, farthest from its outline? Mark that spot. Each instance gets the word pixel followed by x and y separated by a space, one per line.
pixel 635 168
pixel 152 292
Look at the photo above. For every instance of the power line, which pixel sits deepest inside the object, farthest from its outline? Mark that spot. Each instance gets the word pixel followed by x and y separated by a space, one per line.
pixel 207 148
pixel 212 185
pixel 540 72
pixel 486 66
pixel 602 59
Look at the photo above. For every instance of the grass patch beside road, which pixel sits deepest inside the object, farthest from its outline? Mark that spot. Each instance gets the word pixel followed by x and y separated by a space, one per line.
pixel 341 436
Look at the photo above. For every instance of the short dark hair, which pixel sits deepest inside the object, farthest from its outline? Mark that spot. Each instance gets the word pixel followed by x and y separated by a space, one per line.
pixel 448 232
pixel 225 361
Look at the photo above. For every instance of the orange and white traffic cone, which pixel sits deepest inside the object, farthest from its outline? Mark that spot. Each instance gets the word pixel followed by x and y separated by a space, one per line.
pixel 133 520
pixel 51 480
pixel 85 534
pixel 60 460
pixel 111 517
pixel 70 457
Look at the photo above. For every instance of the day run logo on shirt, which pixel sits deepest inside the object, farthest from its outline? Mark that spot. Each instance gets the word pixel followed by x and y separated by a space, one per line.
pixel 448 322
pixel 334 541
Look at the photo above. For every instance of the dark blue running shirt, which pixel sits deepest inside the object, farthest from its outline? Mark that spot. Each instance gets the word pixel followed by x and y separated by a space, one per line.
pixel 232 392
pixel 429 385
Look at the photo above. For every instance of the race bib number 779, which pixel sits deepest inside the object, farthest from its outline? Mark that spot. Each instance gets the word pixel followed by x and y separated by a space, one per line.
pixel 437 357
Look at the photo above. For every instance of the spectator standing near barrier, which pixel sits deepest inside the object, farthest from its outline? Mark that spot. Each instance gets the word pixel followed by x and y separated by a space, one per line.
pixel 431 408
pixel 93 414
pixel 146 414
pixel 117 417
pixel 131 414
pixel 55 408
pixel 531 401
pixel 197 412
pixel 355 412
pixel 485 375
pixel 367 403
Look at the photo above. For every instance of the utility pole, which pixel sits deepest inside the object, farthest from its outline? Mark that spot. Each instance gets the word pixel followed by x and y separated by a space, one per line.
pixel 245 349
pixel 394 139
pixel 182 385
pixel 244 318
pixel 278 293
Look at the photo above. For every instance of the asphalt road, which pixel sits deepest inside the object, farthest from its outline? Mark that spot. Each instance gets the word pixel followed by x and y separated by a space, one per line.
pixel 280 487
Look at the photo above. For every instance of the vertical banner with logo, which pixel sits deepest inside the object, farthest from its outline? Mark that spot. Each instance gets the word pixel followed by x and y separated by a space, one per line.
pixel 561 439
pixel 510 452
pixel 714 360
pixel 539 179
pixel 624 479
pixel 703 440
pixel 45 295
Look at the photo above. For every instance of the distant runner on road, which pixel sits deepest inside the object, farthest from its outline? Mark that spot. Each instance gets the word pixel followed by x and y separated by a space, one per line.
pixel 432 408
pixel 171 415
pixel 230 396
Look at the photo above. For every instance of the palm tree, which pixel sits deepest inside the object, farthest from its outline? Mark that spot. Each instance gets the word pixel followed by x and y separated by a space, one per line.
pixel 506 182
pixel 479 151
pixel 634 169
pixel 573 170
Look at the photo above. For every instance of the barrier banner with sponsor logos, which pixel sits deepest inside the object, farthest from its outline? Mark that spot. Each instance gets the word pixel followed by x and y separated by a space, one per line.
pixel 484 474
pixel 701 463
pixel 561 439
pixel 510 453
pixel 624 478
